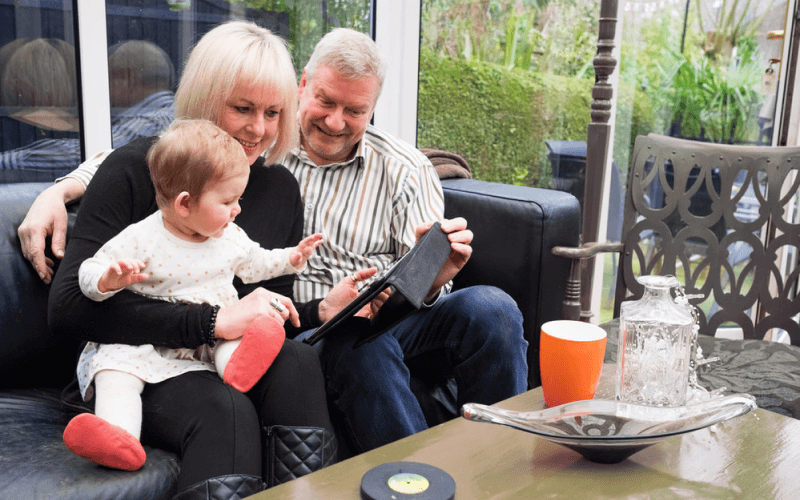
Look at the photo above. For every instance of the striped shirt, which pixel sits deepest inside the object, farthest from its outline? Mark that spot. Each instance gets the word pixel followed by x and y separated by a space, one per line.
pixel 146 118
pixel 47 159
pixel 367 208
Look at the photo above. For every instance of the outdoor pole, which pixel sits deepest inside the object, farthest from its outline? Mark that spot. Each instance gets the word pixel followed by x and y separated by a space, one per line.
pixel 597 143
pixel 685 20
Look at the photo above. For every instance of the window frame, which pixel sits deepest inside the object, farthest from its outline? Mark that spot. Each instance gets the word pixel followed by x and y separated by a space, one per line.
pixel 397 33
pixel 94 105
pixel 395 112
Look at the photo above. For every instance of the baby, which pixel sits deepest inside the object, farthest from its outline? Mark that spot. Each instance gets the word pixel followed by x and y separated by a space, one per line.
pixel 191 250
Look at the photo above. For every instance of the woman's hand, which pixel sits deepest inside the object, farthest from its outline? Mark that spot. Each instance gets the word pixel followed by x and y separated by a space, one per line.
pixel 47 217
pixel 234 319
pixel 460 250
pixel 343 293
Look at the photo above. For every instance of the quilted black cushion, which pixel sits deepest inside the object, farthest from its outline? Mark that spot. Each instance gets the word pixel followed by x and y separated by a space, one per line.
pixel 297 451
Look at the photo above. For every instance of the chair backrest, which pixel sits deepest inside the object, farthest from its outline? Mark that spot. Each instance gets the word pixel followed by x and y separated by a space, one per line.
pixel 721 218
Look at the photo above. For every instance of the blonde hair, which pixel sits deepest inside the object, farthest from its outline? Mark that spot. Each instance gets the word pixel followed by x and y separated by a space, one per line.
pixel 5 55
pixel 189 156
pixel 351 54
pixel 233 54
pixel 40 73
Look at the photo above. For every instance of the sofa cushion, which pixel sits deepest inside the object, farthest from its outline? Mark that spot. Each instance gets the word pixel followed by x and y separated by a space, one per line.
pixel 37 465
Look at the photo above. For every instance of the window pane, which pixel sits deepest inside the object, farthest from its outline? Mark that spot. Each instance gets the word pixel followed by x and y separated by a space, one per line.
pixel 38 118
pixel 147 43
pixel 703 70
pixel 508 86
pixel 149 39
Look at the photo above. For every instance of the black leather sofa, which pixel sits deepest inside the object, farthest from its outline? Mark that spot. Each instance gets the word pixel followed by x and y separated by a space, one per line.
pixel 515 228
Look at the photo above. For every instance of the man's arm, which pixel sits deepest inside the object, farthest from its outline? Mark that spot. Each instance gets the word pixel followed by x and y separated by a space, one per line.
pixel 47 216
pixel 426 205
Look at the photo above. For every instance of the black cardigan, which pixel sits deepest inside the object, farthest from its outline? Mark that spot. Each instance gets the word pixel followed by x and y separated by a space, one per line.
pixel 122 193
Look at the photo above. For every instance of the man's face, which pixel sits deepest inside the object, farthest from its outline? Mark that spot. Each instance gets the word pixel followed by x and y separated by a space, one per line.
pixel 334 113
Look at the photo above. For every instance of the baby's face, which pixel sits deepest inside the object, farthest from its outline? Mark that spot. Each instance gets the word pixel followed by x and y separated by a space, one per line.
pixel 218 205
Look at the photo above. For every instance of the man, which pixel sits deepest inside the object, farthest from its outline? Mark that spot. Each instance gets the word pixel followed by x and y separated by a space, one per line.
pixel 373 196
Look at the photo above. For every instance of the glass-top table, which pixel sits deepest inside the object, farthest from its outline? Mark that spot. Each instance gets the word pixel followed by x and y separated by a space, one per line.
pixel 752 456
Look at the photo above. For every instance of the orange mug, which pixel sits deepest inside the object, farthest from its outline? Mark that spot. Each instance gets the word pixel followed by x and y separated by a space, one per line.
pixel 570 358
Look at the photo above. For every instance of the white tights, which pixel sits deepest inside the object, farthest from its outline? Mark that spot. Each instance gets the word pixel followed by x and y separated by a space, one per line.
pixel 118 400
pixel 222 354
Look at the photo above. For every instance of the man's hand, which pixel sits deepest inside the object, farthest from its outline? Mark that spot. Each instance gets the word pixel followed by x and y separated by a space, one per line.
pixel 234 319
pixel 345 292
pixel 120 274
pixel 47 217
pixel 460 250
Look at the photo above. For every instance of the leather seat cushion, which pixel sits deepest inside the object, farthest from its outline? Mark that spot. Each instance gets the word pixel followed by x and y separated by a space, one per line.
pixel 37 464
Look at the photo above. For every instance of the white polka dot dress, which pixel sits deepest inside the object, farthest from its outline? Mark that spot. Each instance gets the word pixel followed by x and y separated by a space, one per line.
pixel 179 271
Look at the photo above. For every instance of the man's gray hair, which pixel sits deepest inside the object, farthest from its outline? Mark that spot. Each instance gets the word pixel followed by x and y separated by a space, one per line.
pixel 350 53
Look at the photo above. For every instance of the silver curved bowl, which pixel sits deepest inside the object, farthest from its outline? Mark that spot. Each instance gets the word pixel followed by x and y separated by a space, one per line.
pixel 606 431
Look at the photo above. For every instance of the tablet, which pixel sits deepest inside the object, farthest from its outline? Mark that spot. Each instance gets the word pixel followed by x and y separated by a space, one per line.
pixel 410 279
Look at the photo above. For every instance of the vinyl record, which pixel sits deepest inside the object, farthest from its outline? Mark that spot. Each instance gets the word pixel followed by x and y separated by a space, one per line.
pixel 407 481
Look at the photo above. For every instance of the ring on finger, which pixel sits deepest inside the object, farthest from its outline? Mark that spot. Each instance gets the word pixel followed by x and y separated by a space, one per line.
pixel 275 303
pixel 353 277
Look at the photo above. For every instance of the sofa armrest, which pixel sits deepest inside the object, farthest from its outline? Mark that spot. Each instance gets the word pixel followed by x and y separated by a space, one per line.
pixel 30 355
pixel 515 229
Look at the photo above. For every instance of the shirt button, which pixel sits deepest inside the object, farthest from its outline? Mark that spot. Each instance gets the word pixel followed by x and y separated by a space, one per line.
pixel 309 206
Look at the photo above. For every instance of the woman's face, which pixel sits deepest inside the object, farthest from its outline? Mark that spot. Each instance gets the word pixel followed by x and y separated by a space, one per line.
pixel 251 116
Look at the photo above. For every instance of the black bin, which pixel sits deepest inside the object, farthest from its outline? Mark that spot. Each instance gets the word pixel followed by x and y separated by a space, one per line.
pixel 568 163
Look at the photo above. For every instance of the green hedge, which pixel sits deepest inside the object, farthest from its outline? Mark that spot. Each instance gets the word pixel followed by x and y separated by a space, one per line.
pixel 499 119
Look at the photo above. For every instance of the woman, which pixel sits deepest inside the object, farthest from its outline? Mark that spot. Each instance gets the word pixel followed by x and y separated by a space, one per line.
pixel 240 77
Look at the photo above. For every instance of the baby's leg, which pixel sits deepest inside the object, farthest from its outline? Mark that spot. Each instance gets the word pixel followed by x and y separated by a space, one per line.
pixel 222 354
pixel 110 436
pixel 118 400
pixel 247 360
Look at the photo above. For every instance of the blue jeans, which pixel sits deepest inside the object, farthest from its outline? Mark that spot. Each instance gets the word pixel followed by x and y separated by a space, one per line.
pixel 473 334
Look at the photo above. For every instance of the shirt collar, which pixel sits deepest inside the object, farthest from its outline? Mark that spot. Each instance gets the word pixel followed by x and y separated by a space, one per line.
pixel 301 153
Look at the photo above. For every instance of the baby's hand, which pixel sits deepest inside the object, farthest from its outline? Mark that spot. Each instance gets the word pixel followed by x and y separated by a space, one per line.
pixel 300 254
pixel 120 274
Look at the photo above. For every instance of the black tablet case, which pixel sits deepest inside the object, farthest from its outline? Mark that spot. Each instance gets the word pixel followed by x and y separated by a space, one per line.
pixel 411 279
